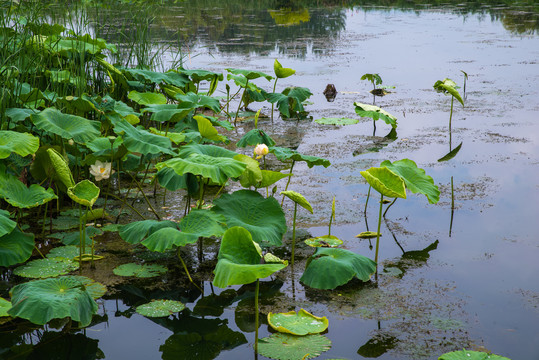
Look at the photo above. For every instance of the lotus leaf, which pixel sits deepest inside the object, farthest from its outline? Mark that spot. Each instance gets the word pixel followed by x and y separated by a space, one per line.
pixel 336 121
pixel 142 141
pixel 448 86
pixel 84 193
pixel 194 101
pixel 385 181
pixel 168 178
pixel 67 251
pixel 46 268
pixel 20 143
pixel 73 237
pixel 67 126
pixel 170 77
pixel 217 169
pixel 4 307
pixel 263 218
pixel 255 137
pixel 160 308
pixel 288 154
pixel 291 347
pixel 415 178
pixel 367 235
pixel 175 137
pixel 6 224
pixel 270 177
pixel 140 271
pixel 167 112
pixel 136 231
pixel 166 238
pixel 17 194
pixel 252 176
pixel 328 268
pixel 239 260
pixel 15 247
pixel 470 355
pixel 210 150
pixel 282 72
pixel 207 130
pixel 147 98
pixel 375 113
pixel 40 301
pixel 450 155
pixel 17 115
pixel 94 288
pixel 324 241
pixel 61 168
pixel 298 199
pixel 272 259
pixel 300 323
pixel 249 74
pixel 290 100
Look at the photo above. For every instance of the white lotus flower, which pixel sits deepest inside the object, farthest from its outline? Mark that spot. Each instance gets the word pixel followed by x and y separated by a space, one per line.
pixel 101 170
pixel 261 150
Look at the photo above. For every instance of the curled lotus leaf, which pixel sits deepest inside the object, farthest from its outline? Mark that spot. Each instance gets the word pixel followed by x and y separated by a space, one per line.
pixel 300 323
pixel 61 168
pixel 84 193
pixel 414 178
pixel 66 126
pixel 255 137
pixel 298 199
pixel 40 301
pixel 160 308
pixel 448 86
pixel 375 113
pixel 282 72
pixel 282 346
pixel 385 181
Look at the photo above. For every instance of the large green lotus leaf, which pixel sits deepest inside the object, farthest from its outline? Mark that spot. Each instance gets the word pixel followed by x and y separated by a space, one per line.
pixel 6 224
pixel 270 177
pixel 300 323
pixel 160 308
pixel 336 121
pixel 328 268
pixel 252 176
pixel 140 270
pixel 291 347
pixel 250 74
pixel 470 355
pixel 264 218
pixel 255 137
pixel 102 147
pixel 284 154
pixel 324 241
pixel 210 150
pixel 450 155
pixel 375 113
pixel 45 268
pixel 136 231
pixel 84 193
pixel 167 112
pixel 94 288
pixel 4 307
pixel 168 178
pixel 147 98
pixel 171 77
pixel 43 300
pixel 385 181
pixel 175 137
pixel 18 195
pixel 166 238
pixel 193 101
pixel 203 223
pixel 298 199
pixel 282 72
pixel 73 237
pixel 67 126
pixel 207 130
pixel 142 141
pixel 239 260
pixel 415 178
pixel 69 252
pixel 374 78
pixel 218 169
pixel 15 247
pixel 17 114
pixel 448 86
pixel 20 143
pixel 61 168
pixel 290 100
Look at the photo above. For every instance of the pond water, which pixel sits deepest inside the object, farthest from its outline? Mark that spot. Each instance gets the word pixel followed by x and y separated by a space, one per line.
pixel 448 280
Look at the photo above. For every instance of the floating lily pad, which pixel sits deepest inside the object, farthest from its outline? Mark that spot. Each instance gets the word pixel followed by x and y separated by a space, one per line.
pixel 470 355
pixel 291 347
pixel 300 323
pixel 4 307
pixel 336 121
pixel 67 252
pixel 324 241
pixel 160 308
pixel 45 268
pixel 140 270
pixel 367 235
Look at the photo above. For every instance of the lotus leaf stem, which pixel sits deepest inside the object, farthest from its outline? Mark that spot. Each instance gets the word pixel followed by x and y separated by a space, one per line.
pixel 241 100
pixel 187 272
pixel 289 178
pixel 367 201
pixel 450 117
pixel 294 233
pixel 125 203
pixel 272 104
pixel 378 232
pixel 395 199
pixel 145 197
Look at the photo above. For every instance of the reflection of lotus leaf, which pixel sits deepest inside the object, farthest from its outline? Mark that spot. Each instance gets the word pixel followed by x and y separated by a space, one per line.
pixel 291 347
pixel 48 267
pixel 287 17
pixel 300 323
pixel 160 308
pixel 141 271
pixel 40 301
pixel 336 121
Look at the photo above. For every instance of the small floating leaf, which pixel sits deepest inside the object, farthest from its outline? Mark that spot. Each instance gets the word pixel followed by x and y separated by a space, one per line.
pixel 336 121
pixel 160 308
pixel 300 323
pixel 291 347
pixel 45 268
pixel 324 241
pixel 367 235
pixel 470 355
pixel 139 270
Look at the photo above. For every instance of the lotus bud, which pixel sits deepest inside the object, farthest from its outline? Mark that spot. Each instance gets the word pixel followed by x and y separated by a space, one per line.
pixel 70 142
pixel 261 150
